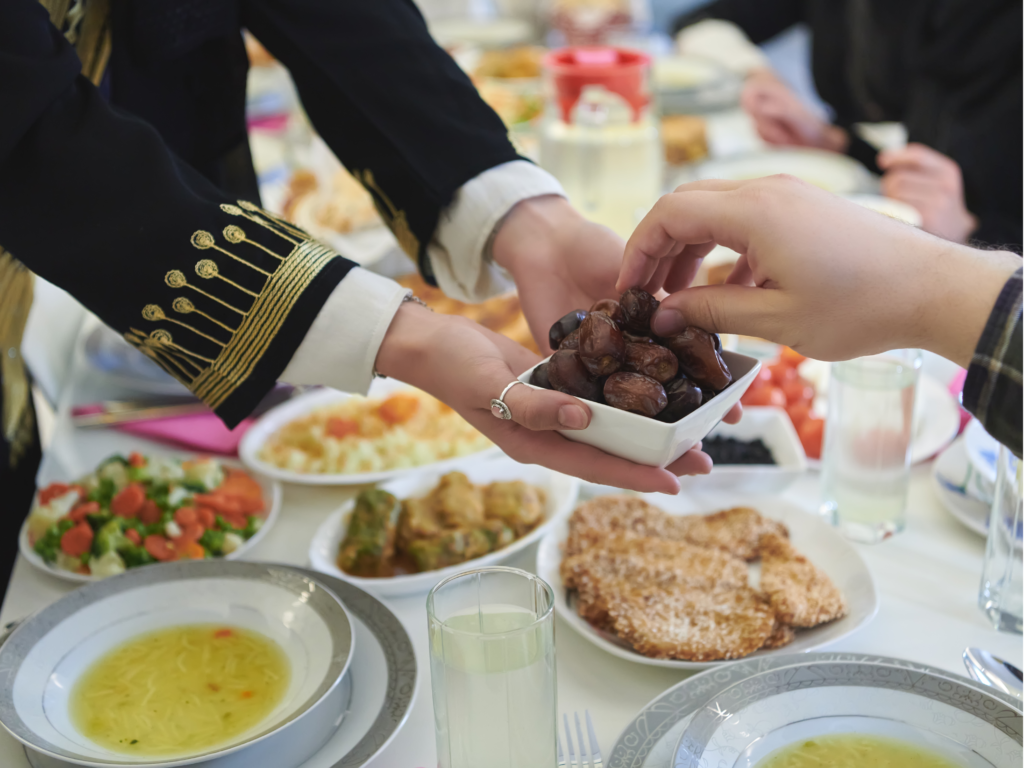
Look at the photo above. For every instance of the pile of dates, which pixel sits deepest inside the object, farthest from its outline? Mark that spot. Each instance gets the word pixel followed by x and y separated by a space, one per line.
pixel 609 355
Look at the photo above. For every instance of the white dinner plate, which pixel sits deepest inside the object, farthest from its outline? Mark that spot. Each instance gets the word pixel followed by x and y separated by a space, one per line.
pixel 959 487
pixel 108 352
pixel 830 171
pixel 561 492
pixel 822 544
pixel 252 443
pixel 271 494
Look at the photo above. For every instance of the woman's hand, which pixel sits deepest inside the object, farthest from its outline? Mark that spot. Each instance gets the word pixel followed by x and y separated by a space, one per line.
pixel 932 183
pixel 781 118
pixel 465 365
pixel 818 273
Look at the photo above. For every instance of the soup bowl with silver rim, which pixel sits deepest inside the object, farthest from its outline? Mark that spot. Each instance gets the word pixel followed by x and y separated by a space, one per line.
pixel 46 654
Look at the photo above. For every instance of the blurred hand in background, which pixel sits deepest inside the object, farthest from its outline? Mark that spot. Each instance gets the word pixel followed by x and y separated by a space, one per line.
pixel 781 118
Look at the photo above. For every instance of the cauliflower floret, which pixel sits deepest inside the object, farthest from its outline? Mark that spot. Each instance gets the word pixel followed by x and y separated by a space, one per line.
pixel 208 472
pixel 232 541
pixel 107 564
pixel 43 516
pixel 115 471
pixel 178 495
pixel 66 562
pixel 160 468
pixel 172 530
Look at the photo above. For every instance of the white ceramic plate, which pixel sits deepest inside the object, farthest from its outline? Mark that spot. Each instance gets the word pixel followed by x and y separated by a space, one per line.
pixel 831 171
pixel 561 491
pixel 271 494
pixel 43 657
pixel 297 407
pixel 956 483
pixel 108 352
pixel 822 544
pixel 774 428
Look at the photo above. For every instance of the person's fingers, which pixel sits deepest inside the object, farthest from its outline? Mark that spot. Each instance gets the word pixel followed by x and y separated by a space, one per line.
pixel 902 185
pixel 741 273
pixel 540 409
pixel 917 156
pixel 693 462
pixel 724 309
pixel 684 270
pixel 689 216
pixel 734 415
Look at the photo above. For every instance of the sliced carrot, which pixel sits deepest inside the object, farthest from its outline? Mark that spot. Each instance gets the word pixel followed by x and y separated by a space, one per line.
pixel 246 694
pixel 207 517
pixel 240 485
pixel 52 491
pixel 398 408
pixel 136 459
pixel 224 505
pixel 149 513
pixel 159 547
pixel 133 536
pixel 189 550
pixel 186 516
pixel 340 427
pixel 88 508
pixel 223 633
pixel 78 540
pixel 129 501
pixel 189 533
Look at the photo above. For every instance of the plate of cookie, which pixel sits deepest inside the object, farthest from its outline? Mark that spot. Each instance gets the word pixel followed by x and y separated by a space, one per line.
pixel 688 582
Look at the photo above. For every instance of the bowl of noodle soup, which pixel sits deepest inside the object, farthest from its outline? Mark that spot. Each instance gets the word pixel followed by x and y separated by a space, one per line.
pixel 227 664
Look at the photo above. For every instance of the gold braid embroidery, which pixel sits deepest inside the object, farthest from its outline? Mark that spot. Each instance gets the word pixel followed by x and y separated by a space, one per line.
pixel 214 380
pixel 394 218
pixel 16 419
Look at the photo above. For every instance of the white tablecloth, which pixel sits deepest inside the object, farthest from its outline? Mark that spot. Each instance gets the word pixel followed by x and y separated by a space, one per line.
pixel 927 578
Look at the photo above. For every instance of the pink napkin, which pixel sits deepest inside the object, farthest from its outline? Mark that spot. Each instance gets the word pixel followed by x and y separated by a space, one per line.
pixel 202 432
pixel 956 388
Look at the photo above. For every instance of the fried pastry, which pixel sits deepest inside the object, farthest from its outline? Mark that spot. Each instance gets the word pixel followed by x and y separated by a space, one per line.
pixel 597 518
pixel 737 531
pixel 459 503
pixel 692 624
pixel 516 504
pixel 800 593
pixel 782 634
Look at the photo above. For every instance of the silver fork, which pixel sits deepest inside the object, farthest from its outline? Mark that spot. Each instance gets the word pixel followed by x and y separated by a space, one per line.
pixel 590 752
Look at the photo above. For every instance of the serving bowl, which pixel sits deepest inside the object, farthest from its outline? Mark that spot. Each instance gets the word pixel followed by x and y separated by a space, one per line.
pixel 652 442
pixel 41 660
pixel 560 492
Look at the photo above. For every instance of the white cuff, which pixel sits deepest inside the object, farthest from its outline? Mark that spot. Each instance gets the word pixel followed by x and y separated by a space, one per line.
pixel 456 252
pixel 723 42
pixel 340 348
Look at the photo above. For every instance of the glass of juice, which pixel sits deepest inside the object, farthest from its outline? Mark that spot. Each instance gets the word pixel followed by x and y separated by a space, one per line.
pixel 866 452
pixel 492 669
pixel 1002 582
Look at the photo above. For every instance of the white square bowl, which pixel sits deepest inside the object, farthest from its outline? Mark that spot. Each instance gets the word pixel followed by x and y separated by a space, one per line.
pixel 652 442
pixel 773 427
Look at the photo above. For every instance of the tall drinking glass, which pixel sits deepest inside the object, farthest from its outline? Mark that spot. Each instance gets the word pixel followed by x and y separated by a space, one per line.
pixel 866 455
pixel 1002 584
pixel 492 669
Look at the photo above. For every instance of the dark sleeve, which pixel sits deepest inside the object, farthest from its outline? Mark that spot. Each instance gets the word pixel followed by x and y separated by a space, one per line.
pixel 760 20
pixel 217 291
pixel 992 391
pixel 392 105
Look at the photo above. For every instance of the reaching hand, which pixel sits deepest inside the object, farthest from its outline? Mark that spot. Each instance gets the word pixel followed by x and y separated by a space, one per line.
pixel 465 365
pixel 932 183
pixel 816 272
pixel 781 118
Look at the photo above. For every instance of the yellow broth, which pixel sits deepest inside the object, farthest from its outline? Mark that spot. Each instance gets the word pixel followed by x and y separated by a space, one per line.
pixel 854 750
pixel 180 691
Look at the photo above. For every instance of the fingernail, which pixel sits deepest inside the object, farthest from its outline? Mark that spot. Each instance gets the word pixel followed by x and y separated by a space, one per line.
pixel 572 417
pixel 667 322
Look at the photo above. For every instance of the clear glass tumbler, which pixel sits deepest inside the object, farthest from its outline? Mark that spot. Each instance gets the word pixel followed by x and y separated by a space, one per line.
pixel 866 453
pixel 492 669
pixel 1002 583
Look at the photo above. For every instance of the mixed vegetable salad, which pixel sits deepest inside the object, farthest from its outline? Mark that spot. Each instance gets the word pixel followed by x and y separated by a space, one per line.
pixel 139 510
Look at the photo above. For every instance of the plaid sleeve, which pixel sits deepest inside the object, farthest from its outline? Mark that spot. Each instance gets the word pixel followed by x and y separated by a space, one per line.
pixel 993 391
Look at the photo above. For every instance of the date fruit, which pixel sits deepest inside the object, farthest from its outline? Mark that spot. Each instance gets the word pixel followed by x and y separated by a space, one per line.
pixel 684 397
pixel 651 360
pixel 635 392
pixel 699 358
pixel 572 341
pixel 567 374
pixel 602 348
pixel 638 308
pixel 633 338
pixel 565 326
pixel 539 377
pixel 609 307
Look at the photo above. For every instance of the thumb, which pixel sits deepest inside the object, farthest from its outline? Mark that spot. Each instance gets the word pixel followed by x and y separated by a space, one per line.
pixel 726 308
pixel 543 409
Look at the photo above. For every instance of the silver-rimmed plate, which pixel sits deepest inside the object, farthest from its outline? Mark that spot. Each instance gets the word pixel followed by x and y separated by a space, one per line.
pixel 650 739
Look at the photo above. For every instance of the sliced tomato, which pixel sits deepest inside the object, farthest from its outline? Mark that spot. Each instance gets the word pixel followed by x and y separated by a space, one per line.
pixel 149 513
pixel 77 541
pixel 798 413
pixel 340 427
pixel 160 547
pixel 207 517
pixel 186 516
pixel 222 633
pixel 798 391
pixel 769 395
pixel 811 432
pixel 133 536
pixel 791 357
pixel 129 501
pixel 52 491
pixel 88 508
pixel 136 459
pixel 781 373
